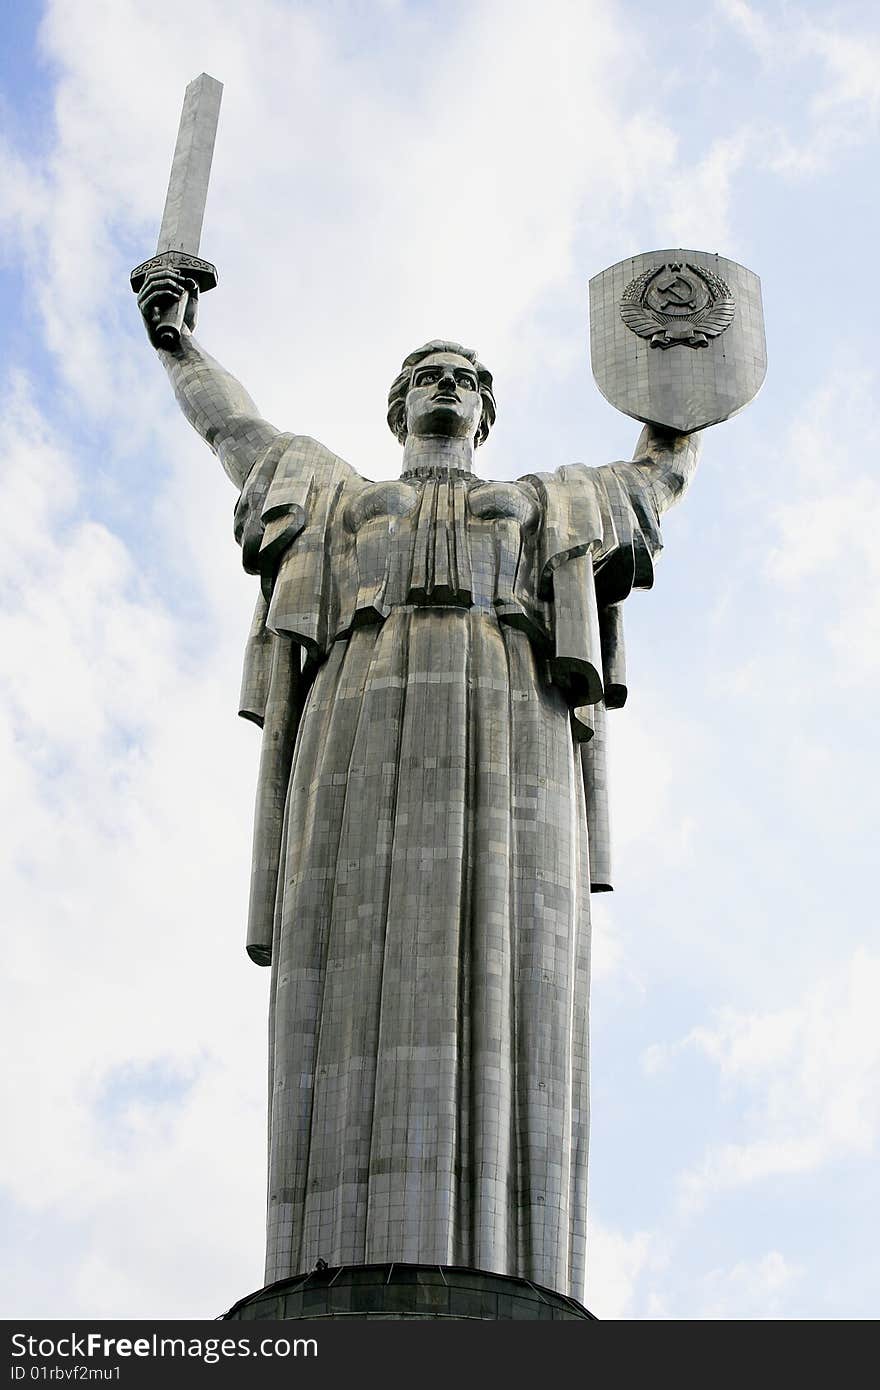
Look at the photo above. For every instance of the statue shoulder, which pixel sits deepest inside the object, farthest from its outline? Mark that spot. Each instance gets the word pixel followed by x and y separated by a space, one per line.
pixel 589 492
pixel 571 501
pixel 291 456
pixel 609 511
pixel 294 478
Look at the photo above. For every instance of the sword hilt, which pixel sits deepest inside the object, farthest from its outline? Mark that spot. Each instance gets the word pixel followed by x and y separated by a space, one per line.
pixel 165 332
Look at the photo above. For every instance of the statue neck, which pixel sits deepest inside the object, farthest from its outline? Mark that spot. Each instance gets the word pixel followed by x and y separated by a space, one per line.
pixel 437 451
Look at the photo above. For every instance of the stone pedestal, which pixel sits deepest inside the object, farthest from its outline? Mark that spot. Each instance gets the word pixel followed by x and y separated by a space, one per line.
pixel 396 1292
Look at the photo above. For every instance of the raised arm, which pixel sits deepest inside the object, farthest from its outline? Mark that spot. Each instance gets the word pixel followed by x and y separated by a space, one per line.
pixel 668 461
pixel 213 401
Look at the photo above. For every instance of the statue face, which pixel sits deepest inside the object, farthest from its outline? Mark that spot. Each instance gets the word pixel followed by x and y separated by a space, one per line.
pixel 444 397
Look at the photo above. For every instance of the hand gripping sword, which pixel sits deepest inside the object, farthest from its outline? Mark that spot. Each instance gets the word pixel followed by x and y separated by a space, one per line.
pixel 181 228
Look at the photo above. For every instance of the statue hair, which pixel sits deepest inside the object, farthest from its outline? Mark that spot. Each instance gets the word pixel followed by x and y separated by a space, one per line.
pixel 401 384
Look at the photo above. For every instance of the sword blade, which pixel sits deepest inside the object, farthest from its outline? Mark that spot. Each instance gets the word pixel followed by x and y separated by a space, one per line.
pixel 181 228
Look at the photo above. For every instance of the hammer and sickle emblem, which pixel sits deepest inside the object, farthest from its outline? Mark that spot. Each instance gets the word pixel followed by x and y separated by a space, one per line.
pixel 677 304
pixel 677 291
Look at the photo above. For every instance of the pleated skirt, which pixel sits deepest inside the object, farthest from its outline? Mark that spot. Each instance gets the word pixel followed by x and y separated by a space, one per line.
pixel 430 980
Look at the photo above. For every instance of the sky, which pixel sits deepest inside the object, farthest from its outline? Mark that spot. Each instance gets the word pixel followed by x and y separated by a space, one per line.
pixel 386 173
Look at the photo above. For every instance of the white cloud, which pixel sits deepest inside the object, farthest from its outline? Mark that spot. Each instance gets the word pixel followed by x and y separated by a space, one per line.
pixel 853 71
pixel 806 1077
pixel 749 22
pixel 826 531
pixel 607 946
pixel 615 1264
pixel 123 891
pixel 753 1290
pixel 840 73
pixel 23 206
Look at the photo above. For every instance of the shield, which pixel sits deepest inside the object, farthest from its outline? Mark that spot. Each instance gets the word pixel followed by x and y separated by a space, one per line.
pixel 677 337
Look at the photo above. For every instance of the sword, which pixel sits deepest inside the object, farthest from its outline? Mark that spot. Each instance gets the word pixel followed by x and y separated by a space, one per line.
pixel 181 228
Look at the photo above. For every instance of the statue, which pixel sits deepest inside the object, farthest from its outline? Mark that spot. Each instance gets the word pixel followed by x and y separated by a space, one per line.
pixel 431 661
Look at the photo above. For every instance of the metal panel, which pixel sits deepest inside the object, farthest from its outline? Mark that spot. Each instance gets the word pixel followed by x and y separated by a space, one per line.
pixel 677 337
pixel 181 228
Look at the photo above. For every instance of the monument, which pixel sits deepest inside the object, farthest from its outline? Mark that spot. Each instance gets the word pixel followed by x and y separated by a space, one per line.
pixel 431 662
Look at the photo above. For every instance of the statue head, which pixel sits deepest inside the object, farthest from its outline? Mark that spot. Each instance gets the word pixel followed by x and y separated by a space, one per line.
pixel 442 389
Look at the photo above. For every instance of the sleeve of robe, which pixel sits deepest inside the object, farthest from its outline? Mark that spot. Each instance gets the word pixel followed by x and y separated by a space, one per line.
pixel 600 534
pixel 290 495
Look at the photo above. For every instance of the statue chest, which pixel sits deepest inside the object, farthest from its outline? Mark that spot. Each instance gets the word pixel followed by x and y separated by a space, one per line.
pixel 430 539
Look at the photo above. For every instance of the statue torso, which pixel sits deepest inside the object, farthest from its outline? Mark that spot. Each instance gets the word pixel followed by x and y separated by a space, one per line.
pixel 437 538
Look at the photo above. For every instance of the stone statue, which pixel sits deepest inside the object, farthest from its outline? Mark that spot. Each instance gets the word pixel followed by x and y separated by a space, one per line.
pixel 431 661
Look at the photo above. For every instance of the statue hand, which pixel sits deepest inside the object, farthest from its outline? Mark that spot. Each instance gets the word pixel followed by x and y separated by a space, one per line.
pixel 162 287
pixel 671 459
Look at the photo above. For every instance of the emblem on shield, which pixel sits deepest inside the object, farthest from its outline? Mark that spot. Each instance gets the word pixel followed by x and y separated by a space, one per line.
pixel 677 301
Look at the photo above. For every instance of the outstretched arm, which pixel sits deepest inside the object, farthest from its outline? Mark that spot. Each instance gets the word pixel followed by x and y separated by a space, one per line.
pixel 668 461
pixel 218 406
pixel 213 401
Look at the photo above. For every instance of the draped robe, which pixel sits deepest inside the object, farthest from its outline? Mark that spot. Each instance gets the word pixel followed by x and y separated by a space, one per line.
pixel 431 660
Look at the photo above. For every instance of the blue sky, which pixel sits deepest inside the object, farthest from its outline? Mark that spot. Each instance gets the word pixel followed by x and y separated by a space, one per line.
pixel 386 173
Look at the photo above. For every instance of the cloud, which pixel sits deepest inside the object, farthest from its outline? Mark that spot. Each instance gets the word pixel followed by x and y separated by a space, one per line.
pixel 826 530
pixel 615 1264
pixel 751 24
pixel 852 63
pixel 123 881
pixel 23 206
pixel 829 74
pixel 805 1078
pixel 756 1289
